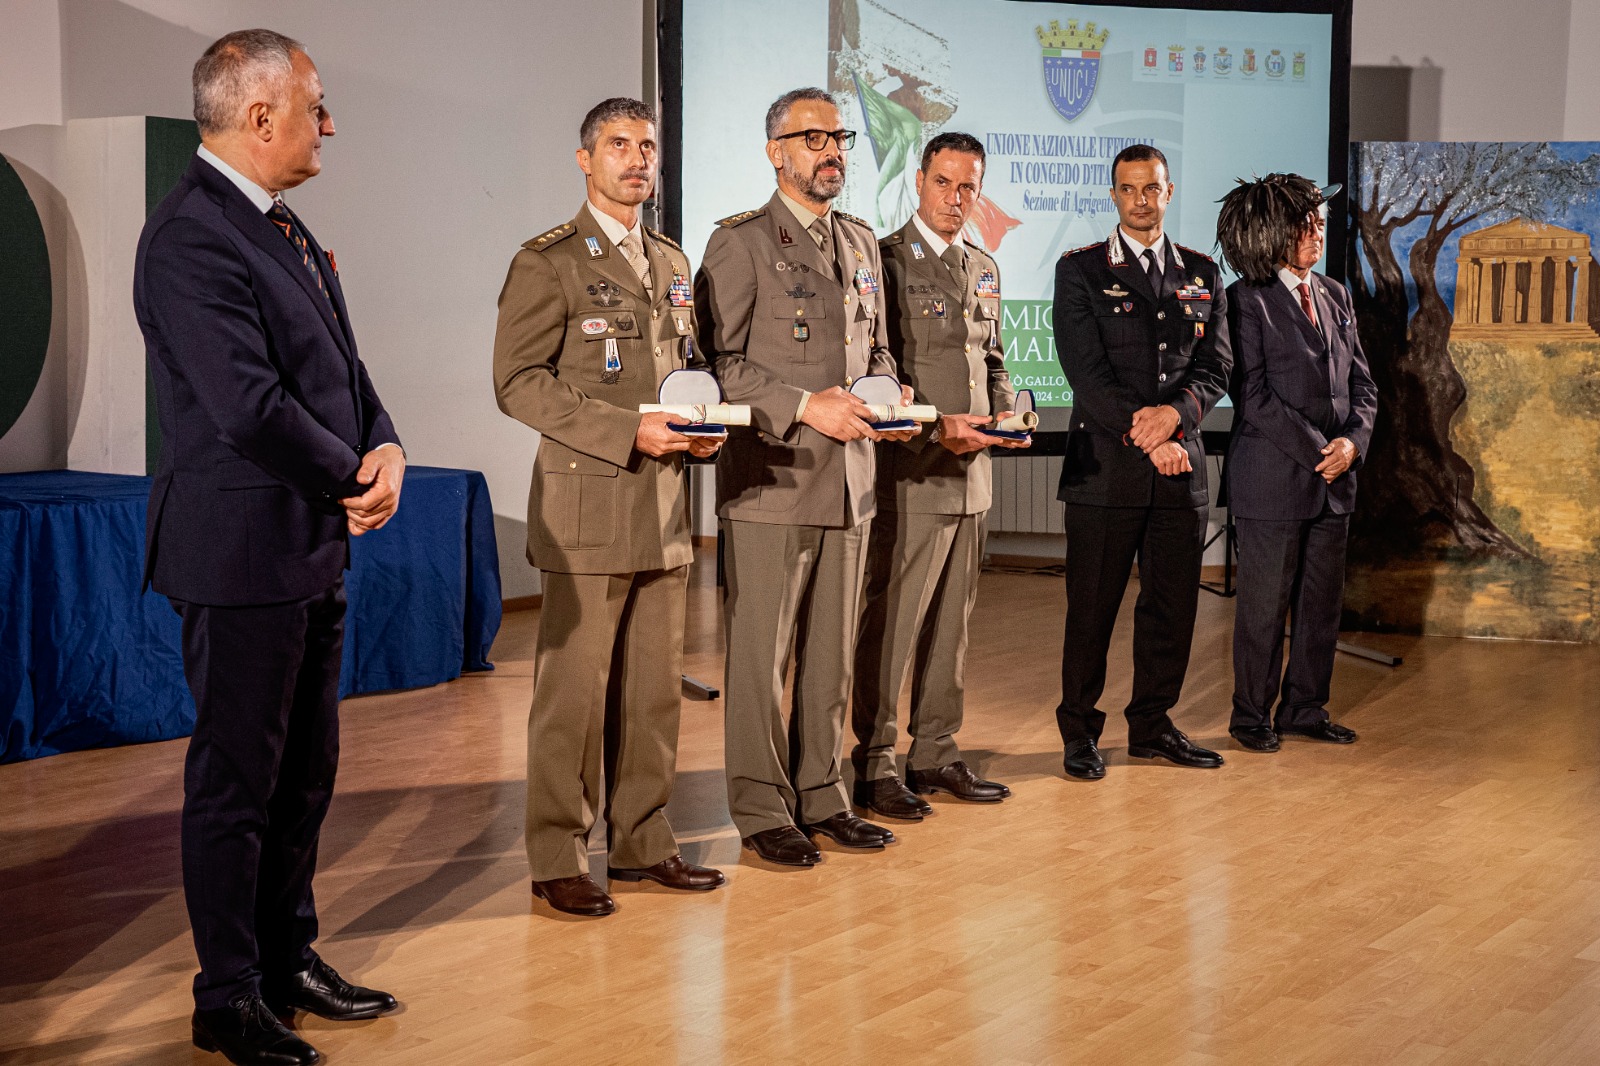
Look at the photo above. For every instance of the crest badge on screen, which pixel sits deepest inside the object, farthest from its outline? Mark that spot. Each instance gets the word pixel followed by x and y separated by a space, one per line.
pixel 1071 64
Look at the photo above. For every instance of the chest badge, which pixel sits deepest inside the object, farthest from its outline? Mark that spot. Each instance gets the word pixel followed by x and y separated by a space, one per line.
pixel 798 292
pixel 866 280
pixel 938 309
pixel 988 284
pixel 594 247
pixel 613 362
pixel 1116 291
pixel 592 327
pixel 1199 330
pixel 678 293
pixel 801 331
pixel 605 294
pixel 1127 305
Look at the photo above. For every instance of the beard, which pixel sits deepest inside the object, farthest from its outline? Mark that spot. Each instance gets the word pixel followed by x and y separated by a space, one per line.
pixel 817 188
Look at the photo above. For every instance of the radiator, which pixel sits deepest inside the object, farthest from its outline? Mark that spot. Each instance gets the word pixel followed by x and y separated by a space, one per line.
pixel 1025 495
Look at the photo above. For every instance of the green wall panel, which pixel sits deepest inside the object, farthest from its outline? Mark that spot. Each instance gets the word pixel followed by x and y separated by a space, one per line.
pixel 169 144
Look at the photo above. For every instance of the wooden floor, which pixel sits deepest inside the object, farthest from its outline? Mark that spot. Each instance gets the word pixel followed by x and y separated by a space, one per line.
pixel 1430 895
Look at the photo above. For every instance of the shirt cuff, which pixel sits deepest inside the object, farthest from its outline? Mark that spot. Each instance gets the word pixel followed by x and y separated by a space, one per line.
pixel 390 444
pixel 800 412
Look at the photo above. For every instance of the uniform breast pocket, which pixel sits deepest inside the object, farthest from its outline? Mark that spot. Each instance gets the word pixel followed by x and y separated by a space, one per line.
pixel 800 317
pixel 610 338
pixel 1121 331
pixel 575 505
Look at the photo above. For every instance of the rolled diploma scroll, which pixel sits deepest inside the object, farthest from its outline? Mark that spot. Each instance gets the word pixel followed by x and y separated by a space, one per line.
pixel 724 414
pixel 921 412
pixel 1022 422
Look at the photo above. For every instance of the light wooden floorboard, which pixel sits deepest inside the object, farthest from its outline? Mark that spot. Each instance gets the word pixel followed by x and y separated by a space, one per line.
pixel 1428 896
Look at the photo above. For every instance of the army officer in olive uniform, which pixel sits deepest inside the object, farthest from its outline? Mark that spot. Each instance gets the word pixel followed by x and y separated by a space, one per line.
pixel 1141 328
pixel 933 493
pixel 594 314
pixel 790 314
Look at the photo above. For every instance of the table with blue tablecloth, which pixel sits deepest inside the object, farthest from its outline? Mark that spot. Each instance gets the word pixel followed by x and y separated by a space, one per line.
pixel 87 660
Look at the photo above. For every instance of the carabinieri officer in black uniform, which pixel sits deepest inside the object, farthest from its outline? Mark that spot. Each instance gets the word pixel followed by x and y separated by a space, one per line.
pixel 1141 326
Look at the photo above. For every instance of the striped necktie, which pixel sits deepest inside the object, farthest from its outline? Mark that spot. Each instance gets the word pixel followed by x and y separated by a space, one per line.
pixel 284 219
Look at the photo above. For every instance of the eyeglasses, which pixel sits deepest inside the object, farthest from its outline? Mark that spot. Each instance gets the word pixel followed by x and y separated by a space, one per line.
pixel 817 140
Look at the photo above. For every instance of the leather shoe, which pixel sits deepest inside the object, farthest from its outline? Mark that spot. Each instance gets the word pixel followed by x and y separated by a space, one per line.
pixel 673 873
pixel 1175 747
pixel 249 1034
pixel 890 797
pixel 784 845
pixel 321 991
pixel 1083 761
pixel 1332 732
pixel 958 780
pixel 575 895
pixel 1256 738
pixel 846 829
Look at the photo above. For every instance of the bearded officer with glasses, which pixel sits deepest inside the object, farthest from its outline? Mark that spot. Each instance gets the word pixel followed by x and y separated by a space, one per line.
pixel 789 313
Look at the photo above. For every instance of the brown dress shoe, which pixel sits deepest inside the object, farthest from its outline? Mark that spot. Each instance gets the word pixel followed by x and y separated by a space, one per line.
pixel 785 845
pixel 673 873
pixel 575 895
pixel 890 797
pixel 958 780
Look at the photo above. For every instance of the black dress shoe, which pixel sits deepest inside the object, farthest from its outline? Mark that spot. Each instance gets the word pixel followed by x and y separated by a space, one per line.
pixel 673 873
pixel 1083 761
pixel 1256 738
pixel 890 797
pixel 321 991
pixel 575 895
pixel 249 1034
pixel 1175 747
pixel 958 780
pixel 850 831
pixel 784 845
pixel 1332 732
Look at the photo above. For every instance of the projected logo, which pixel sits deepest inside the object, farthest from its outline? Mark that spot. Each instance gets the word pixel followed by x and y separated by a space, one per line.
pixel 1071 64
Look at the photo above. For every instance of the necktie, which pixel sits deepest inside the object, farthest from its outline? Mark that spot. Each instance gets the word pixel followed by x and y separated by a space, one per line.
pixel 1154 270
pixel 1306 304
pixel 284 219
pixel 822 230
pixel 955 257
pixel 633 248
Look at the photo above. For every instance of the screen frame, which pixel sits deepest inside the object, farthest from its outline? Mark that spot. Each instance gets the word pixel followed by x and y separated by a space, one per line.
pixel 669 78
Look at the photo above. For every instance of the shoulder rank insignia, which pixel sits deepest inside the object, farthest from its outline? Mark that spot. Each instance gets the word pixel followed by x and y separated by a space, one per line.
pixel 894 238
pixel 1080 251
pixel 863 223
pixel 1192 251
pixel 545 240
pixel 663 238
pixel 741 217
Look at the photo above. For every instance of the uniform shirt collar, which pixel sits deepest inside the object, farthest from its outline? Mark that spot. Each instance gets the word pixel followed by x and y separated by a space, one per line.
pixel 255 193
pixel 1138 247
pixel 936 242
pixel 802 214
pixel 615 231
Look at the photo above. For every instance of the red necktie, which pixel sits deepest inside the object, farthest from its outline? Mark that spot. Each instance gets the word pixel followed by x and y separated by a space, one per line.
pixel 1305 302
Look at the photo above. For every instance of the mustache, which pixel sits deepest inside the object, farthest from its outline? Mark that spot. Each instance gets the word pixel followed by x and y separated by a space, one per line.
pixel 634 172
pixel 827 161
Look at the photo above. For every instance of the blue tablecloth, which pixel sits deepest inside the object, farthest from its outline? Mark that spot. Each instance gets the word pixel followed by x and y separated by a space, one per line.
pixel 88 661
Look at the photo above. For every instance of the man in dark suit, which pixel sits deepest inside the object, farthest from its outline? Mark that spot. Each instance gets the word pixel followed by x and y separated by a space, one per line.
pixel 273 445
pixel 1304 410
pixel 1141 329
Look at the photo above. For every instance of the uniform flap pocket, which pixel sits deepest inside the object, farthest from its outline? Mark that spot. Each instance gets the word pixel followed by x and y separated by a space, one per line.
pixel 598 325
pixel 1111 307
pixel 799 307
pixel 559 459
pixel 929 307
pixel 989 309
pixel 1197 311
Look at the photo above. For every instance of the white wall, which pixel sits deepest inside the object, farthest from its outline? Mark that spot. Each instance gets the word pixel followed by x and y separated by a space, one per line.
pixel 456 127
pixel 1519 71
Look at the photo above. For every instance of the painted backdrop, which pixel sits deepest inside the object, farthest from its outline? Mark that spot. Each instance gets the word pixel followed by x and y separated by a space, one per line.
pixel 1478 298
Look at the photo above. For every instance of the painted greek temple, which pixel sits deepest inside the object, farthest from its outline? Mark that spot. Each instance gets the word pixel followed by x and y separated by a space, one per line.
pixel 1526 280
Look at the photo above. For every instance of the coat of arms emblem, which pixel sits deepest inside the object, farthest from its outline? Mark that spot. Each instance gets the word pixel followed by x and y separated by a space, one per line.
pixel 1071 64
